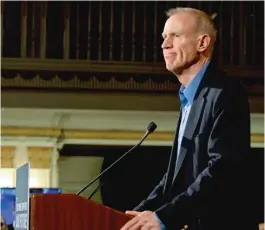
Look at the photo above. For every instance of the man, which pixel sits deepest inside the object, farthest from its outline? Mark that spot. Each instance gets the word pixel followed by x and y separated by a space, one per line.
pixel 205 187
pixel 4 226
pixel 3 223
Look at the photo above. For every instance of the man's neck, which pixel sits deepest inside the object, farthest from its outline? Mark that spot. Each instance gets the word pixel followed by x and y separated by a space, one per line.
pixel 187 75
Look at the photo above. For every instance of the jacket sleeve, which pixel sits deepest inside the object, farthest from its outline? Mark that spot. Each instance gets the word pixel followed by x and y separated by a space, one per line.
pixel 227 148
pixel 154 200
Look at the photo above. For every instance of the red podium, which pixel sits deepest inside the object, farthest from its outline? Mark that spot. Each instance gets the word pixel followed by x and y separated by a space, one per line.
pixel 72 212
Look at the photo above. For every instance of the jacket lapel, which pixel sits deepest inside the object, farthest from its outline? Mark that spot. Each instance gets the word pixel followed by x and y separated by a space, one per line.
pixel 192 122
pixel 172 163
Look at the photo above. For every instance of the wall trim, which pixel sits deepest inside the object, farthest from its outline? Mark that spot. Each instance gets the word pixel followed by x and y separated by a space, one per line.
pixel 97 134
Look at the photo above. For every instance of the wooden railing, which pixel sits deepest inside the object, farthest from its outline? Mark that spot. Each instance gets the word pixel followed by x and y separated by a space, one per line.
pixel 123 31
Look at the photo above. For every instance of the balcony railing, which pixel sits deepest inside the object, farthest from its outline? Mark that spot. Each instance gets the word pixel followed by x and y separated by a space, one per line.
pixel 116 46
pixel 123 31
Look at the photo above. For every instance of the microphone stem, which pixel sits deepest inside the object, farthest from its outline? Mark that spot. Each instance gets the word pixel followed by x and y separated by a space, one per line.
pixel 97 188
pixel 91 182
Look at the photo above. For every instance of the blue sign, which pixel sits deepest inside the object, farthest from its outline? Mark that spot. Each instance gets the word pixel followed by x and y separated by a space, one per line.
pixel 22 197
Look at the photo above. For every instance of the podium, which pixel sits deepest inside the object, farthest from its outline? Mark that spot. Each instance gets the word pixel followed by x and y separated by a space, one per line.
pixel 72 212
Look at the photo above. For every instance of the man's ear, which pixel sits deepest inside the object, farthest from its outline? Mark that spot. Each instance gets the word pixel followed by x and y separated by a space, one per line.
pixel 204 41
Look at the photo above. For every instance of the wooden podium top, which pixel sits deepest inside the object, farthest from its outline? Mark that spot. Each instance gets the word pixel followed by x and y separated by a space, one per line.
pixel 72 212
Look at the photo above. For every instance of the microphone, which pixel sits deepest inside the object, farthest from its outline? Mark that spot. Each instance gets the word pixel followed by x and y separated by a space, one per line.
pixel 95 190
pixel 150 129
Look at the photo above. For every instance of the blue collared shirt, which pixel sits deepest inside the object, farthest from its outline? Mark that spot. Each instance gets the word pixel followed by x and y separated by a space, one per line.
pixel 186 96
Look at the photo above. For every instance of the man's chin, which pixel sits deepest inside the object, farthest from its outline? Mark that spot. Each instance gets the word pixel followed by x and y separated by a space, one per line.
pixel 171 68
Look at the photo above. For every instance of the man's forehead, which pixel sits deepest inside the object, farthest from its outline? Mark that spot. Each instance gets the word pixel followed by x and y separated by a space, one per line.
pixel 180 21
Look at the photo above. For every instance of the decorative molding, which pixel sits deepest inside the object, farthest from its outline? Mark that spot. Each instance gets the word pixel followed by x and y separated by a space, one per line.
pixel 73 65
pixel 83 65
pixel 93 83
pixel 108 75
pixel 18 131
pixel 96 81
pixel 99 134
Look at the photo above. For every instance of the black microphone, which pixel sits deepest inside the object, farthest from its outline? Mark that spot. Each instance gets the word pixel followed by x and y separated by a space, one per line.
pixel 151 128
pixel 95 190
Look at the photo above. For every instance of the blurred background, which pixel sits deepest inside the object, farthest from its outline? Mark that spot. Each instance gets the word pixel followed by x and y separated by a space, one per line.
pixel 81 81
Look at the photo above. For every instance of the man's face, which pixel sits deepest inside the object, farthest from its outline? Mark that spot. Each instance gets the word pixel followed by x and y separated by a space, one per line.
pixel 3 224
pixel 180 42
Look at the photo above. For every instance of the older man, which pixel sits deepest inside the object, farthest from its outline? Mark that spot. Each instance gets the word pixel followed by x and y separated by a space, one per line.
pixel 205 186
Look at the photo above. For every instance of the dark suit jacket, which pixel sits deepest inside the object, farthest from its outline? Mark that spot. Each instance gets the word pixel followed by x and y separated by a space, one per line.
pixel 10 227
pixel 211 188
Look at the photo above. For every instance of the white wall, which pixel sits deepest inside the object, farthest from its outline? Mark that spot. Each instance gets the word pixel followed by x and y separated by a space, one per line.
pixel 76 172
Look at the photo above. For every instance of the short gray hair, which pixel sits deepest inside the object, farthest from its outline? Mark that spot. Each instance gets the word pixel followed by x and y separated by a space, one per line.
pixel 204 21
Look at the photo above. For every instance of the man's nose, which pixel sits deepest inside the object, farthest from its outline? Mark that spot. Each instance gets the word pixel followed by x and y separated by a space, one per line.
pixel 166 44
